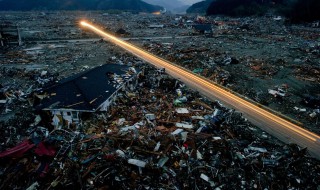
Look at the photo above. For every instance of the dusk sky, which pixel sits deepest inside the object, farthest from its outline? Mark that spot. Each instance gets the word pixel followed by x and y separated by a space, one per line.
pixel 190 1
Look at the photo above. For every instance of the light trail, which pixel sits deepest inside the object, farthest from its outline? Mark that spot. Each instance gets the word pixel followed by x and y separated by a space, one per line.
pixel 262 113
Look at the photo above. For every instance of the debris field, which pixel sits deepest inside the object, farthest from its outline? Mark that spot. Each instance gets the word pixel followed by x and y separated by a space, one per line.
pixel 160 134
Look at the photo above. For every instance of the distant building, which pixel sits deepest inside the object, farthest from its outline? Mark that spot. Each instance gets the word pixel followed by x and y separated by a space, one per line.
pixel 122 32
pixel 315 24
pixel 203 28
pixel 9 36
pixel 90 91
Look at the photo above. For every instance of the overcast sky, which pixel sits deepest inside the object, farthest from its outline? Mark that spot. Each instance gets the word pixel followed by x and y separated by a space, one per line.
pixel 189 2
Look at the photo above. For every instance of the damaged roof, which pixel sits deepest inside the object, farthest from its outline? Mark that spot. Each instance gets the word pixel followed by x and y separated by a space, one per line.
pixel 86 91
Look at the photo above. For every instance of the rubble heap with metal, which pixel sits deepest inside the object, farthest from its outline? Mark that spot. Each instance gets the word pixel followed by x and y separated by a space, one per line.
pixel 161 135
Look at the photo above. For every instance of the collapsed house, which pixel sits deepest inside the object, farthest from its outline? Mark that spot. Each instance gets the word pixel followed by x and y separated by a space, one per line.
pixel 203 28
pixel 87 92
pixel 9 36
pixel 122 32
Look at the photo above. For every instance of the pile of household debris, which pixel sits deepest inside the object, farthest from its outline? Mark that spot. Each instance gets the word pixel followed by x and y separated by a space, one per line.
pixel 160 135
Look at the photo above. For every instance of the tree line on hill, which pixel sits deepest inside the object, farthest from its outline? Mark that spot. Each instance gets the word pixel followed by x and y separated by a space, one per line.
pixel 29 5
pixel 295 10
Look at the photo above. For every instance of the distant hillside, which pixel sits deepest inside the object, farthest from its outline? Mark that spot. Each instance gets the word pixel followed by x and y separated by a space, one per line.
pixel 240 7
pixel 305 10
pixel 200 7
pixel 27 5
pixel 296 10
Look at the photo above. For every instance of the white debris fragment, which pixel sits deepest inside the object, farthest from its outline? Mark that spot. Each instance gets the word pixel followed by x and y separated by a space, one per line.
pixel 277 18
pixel 207 179
pixel 182 110
pixel 184 136
pixel 197 117
pixel 217 138
pixel 240 155
pixel 204 177
pixel 177 131
pixel 34 186
pixel 313 114
pixel 7 110
pixel 276 93
pixel 157 147
pixel 184 125
pixel 37 120
pixel 262 150
pixel 132 69
pixel 121 121
pixel 199 155
pixel 199 130
pixel 121 153
pixel 163 161
pixel 43 73
pixel 216 112
pixel 150 117
pixel 179 92
pixel 128 128
pixel 300 109
pixel 138 163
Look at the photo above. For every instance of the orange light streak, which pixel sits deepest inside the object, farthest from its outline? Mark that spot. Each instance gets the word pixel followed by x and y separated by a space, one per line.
pixel 165 64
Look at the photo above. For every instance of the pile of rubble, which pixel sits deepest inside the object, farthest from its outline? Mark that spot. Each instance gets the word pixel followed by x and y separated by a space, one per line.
pixel 202 60
pixel 161 135
pixel 308 73
pixel 13 93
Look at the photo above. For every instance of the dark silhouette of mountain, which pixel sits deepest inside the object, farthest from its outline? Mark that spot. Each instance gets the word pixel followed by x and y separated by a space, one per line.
pixel 296 10
pixel 305 10
pixel 200 7
pixel 241 7
pixel 27 5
